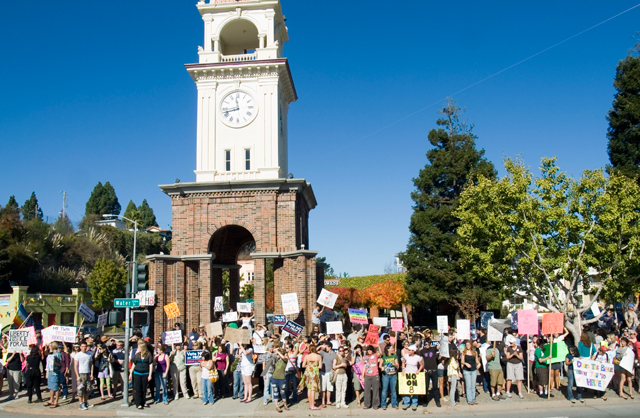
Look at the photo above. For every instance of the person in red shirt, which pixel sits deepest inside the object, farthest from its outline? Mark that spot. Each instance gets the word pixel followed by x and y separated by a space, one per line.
pixel 371 379
pixel 633 342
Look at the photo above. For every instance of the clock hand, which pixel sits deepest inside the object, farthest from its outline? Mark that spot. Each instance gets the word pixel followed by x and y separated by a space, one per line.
pixel 231 110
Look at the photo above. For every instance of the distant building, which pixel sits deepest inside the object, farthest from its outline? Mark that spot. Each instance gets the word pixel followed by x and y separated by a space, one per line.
pixel 114 222
pixel 400 268
pixel 164 233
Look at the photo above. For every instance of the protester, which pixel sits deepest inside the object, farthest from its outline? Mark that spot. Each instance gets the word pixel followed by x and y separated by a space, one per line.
pixel 195 374
pixel 621 374
pixel 53 367
pixel 469 360
pixel 542 369
pixel 326 373
pixel 515 370
pixel 278 382
pixel 161 362
pixel 496 374
pixel 33 375
pixel 389 366
pixel 311 378
pixel 207 366
pixel 222 365
pixel 573 353
pixel 430 360
pixel 411 363
pixel 247 367
pixel 141 373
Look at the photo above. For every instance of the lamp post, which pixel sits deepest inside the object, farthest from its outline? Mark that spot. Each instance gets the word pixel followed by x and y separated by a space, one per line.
pixel 129 293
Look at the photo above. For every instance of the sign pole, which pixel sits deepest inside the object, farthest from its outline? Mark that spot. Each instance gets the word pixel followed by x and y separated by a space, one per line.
pixel 127 330
pixel 25 321
pixel 528 366
pixel 550 355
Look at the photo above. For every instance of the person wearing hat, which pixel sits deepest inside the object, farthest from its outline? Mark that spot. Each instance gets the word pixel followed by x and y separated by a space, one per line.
pixel 411 363
pixel 631 317
pixel 515 371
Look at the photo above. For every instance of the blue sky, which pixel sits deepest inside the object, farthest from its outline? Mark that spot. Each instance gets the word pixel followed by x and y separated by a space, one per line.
pixel 96 91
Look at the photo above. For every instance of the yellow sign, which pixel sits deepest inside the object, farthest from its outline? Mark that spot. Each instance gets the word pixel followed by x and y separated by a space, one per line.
pixel 172 310
pixel 412 384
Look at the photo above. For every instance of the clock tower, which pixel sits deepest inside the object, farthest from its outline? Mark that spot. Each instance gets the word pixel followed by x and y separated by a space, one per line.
pixel 244 91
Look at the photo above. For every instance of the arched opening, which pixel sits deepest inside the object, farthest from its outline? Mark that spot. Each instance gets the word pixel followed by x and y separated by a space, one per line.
pixel 239 36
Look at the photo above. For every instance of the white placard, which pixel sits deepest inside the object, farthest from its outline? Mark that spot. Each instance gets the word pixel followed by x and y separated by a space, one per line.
pixel 146 297
pixel 18 341
pixel 626 362
pixel 443 324
pixel 493 334
pixel 463 329
pixel 290 304
pixel 230 317
pixel 58 333
pixel 86 312
pixel 444 346
pixel 327 298
pixel 595 309
pixel 334 327
pixel 173 337
pixel 102 320
pixel 218 305
pixel 381 320
pixel 244 307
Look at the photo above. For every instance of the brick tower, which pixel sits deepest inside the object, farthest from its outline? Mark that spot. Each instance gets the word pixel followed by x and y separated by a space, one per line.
pixel 243 193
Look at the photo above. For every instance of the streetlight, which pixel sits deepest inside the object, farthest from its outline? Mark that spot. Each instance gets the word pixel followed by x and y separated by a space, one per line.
pixel 127 330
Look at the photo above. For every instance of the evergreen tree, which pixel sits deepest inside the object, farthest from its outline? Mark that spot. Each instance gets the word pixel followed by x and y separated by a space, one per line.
pixel 435 272
pixel 12 205
pixel 31 210
pixel 147 216
pixel 131 212
pixel 103 200
pixel 624 118
pixel 63 225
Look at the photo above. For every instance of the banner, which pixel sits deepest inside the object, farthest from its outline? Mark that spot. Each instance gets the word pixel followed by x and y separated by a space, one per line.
pixel 58 333
pixel 559 353
pixel 373 337
pixel 213 329
pixel 412 384
pixel 592 374
pixel 18 341
pixel 230 317
pixel 244 307
pixel 173 337
pixel 396 325
pixel 102 320
pixel 238 336
pixel 218 305
pixel 290 304
pixel 192 357
pixel 334 327
pixel 463 329
pixel 552 323
pixel 87 313
pixel 292 328
pixel 172 310
pixel 327 298
pixel 485 318
pixel 358 316
pixel 279 320
pixel 527 322
pixel 381 321
pixel 443 324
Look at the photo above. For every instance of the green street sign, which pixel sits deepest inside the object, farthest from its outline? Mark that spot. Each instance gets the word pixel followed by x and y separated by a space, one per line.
pixel 126 303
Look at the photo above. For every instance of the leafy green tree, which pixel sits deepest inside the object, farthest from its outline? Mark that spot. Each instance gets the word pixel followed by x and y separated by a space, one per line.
pixel 328 270
pixel 247 291
pixel 107 281
pixel 31 210
pixel 624 118
pixel 435 273
pixel 146 215
pixel 547 236
pixel 103 200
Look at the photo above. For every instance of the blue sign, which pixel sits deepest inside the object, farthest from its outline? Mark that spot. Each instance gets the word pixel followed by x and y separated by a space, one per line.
pixel 485 318
pixel 279 320
pixel 192 357
pixel 292 328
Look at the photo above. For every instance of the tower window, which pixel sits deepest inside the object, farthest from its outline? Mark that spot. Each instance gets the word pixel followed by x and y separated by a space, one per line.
pixel 247 159
pixel 227 159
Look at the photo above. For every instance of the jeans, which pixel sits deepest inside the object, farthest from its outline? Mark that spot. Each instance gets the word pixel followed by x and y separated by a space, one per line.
pixel 63 381
pixel 571 377
pixel 486 380
pixel 470 384
pixel 161 383
pixel 278 389
pixel 291 377
pixel 433 375
pixel 207 391
pixel 267 388
pixel 238 387
pixel 452 389
pixel 389 383
pixel 342 381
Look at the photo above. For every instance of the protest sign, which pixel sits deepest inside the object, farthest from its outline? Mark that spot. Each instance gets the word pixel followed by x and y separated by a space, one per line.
pixel 244 307
pixel 559 353
pixel 279 320
pixel 334 327
pixel 102 320
pixel 493 334
pixel 463 329
pixel 412 384
pixel 358 316
pixel 18 341
pixel 172 310
pixel 230 317
pixel 595 309
pixel 592 374
pixel 327 298
pixel 373 337
pixel 32 335
pixel 527 322
pixel 626 362
pixel 192 357
pixel 173 337
pixel 290 304
pixel 86 312
pixel 381 321
pixel 444 346
pixel 443 324
pixel 238 336
pixel 396 325
pixel 514 320
pixel 552 323
pixel 485 318
pixel 58 333
pixel 218 305
pixel 292 328
pixel 213 329
pixel 358 370
pixel 146 297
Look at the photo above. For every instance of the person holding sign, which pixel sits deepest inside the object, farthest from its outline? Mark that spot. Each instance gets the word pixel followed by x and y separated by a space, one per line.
pixel 371 379
pixel 541 368
pixel 33 375
pixel 14 374
pixel 389 366
pixel 515 370
pixel 411 363
pixel 571 377
pixel 625 356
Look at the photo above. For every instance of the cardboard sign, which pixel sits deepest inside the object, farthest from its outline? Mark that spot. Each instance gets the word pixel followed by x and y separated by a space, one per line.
pixel 213 329
pixel 18 341
pixel 290 304
pixel 102 320
pixel 334 327
pixel 559 353
pixel 244 307
pixel 230 317
pixel 396 325
pixel 485 318
pixel 218 304
pixel 592 374
pixel 381 321
pixel 412 384
pixel 238 336
pixel 58 333
pixel 172 310
pixel 87 313
pixel 293 328
pixel 463 329
pixel 626 362
pixel 32 335
pixel 373 338
pixel 553 323
pixel 527 322
pixel 193 357
pixel 146 297
pixel 595 309
pixel 493 334
pixel 327 298
pixel 173 337
pixel 358 316
pixel 358 370
pixel 443 324
pixel 444 346
pixel 279 320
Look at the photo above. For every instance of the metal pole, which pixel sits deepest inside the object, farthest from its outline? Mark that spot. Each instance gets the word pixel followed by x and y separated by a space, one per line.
pixel 127 332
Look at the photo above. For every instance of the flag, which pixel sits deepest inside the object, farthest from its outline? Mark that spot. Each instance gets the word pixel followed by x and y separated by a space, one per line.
pixel 21 316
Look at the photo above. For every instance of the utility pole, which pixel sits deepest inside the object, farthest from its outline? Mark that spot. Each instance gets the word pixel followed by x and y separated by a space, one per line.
pixel 64 201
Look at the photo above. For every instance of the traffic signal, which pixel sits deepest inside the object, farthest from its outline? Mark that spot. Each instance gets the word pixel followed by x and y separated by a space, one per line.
pixel 116 317
pixel 142 277
pixel 140 319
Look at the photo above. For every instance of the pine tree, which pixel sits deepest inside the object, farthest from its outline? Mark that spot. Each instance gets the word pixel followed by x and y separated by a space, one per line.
pixel 624 118
pixel 147 217
pixel 131 212
pixel 435 273
pixel 12 204
pixel 31 210
pixel 103 200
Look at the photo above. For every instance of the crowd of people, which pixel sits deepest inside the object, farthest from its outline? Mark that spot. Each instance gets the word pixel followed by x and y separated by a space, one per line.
pixel 331 370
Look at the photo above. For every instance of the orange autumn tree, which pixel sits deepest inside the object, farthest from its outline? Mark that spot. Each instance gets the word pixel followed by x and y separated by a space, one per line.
pixel 349 297
pixel 387 295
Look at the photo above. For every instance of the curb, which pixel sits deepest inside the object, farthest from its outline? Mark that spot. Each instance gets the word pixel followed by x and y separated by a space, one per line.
pixel 59 412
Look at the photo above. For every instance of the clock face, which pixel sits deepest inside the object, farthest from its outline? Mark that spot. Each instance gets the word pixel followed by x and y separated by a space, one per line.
pixel 237 109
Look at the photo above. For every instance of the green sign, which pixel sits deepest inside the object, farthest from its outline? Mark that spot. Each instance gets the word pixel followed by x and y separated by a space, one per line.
pixel 126 303
pixel 559 352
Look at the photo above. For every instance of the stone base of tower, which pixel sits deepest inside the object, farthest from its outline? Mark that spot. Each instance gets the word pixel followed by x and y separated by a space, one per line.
pixel 211 223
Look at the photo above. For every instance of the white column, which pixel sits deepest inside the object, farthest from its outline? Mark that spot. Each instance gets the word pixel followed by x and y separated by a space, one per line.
pixel 208 18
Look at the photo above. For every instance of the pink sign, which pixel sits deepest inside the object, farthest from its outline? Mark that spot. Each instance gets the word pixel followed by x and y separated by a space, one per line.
pixel 552 323
pixel 32 335
pixel 396 324
pixel 527 322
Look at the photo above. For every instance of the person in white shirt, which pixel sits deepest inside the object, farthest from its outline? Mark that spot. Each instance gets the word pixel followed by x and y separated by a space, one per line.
pixel 84 376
